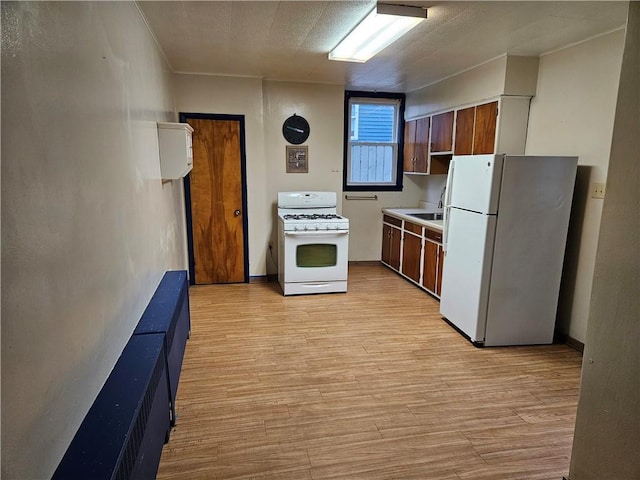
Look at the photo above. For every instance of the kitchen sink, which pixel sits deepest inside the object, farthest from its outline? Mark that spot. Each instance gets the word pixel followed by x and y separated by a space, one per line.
pixel 426 216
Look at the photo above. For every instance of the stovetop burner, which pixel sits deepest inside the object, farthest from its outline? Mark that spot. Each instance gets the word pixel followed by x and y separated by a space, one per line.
pixel 311 216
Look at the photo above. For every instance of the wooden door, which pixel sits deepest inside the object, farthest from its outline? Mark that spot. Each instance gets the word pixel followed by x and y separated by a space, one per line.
pixel 484 137
pixel 217 201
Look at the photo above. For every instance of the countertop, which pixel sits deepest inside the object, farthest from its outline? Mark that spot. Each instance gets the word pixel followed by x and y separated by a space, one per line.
pixel 404 213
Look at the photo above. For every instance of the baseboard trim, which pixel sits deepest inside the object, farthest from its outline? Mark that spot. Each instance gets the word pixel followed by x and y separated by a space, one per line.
pixel 370 263
pixel 575 344
pixel 263 279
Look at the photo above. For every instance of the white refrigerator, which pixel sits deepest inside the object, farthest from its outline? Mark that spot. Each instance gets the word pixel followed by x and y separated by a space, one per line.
pixel 505 229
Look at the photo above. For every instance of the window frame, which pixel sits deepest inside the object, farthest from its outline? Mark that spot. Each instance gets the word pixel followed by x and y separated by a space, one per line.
pixel 373 187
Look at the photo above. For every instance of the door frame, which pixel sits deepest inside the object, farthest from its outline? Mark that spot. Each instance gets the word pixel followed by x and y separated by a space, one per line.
pixel 187 192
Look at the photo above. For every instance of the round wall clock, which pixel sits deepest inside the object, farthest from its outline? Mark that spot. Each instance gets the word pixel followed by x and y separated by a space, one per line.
pixel 295 129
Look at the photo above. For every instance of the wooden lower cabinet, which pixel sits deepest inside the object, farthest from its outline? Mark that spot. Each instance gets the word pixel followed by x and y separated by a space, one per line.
pixel 440 268
pixel 391 238
pixel 421 251
pixel 411 253
pixel 433 261
pixel 430 268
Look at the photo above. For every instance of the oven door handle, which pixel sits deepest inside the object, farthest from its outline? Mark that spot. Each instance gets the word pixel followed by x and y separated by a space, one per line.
pixel 314 233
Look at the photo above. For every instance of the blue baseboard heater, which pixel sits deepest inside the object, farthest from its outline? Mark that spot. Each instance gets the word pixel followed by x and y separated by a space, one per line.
pixel 168 313
pixel 124 431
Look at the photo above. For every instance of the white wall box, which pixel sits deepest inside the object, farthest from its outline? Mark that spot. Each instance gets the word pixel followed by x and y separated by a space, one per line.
pixel 176 152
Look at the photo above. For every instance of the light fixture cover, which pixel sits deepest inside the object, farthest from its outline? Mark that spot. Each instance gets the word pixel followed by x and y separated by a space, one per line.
pixel 381 27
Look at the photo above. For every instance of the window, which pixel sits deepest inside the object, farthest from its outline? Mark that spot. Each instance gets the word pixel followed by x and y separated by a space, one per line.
pixel 374 130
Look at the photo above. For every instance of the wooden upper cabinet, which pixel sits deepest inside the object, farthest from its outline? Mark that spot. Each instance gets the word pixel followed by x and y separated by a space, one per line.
pixel 409 145
pixel 484 137
pixel 442 132
pixel 416 142
pixel 422 144
pixel 464 131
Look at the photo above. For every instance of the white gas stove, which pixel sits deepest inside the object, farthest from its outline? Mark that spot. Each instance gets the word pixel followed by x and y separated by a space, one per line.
pixel 299 222
pixel 313 243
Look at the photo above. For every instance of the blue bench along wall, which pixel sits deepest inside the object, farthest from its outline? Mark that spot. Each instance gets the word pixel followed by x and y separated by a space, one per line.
pixel 122 435
pixel 168 313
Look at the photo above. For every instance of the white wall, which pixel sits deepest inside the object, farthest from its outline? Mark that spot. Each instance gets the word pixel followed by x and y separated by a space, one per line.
pixel 480 83
pixel 607 436
pixel 572 114
pixel 88 228
pixel 266 105
pixel 322 106
pixel 365 216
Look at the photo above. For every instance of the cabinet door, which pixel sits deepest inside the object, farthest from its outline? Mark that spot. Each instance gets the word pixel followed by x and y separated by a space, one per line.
pixel 391 237
pixel 386 243
pixel 442 132
pixel 409 145
pixel 411 256
pixel 464 131
pixel 430 266
pixel 440 268
pixel 421 151
pixel 484 137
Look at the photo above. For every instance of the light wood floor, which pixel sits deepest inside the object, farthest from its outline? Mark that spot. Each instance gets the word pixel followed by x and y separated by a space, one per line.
pixel 371 384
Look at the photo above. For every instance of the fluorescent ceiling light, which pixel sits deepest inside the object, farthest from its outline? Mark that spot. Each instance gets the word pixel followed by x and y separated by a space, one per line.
pixel 383 26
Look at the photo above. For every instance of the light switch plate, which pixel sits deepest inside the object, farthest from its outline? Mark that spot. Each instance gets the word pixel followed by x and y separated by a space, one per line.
pixel 597 190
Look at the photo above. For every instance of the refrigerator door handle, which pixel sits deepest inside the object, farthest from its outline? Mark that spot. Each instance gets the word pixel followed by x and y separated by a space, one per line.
pixel 445 229
pixel 447 196
pixel 447 206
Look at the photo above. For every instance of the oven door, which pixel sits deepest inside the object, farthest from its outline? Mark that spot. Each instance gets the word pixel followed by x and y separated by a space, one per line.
pixel 316 256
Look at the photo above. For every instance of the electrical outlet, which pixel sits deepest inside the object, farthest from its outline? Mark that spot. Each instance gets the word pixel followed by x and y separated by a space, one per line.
pixel 597 190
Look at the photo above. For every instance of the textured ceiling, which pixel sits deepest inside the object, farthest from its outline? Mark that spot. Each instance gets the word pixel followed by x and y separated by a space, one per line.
pixel 290 40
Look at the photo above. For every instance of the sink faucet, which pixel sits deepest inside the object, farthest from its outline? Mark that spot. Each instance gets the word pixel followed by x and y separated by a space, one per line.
pixel 440 203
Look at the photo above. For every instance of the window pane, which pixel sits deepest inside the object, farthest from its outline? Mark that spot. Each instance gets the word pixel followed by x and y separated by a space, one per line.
pixel 373 142
pixel 373 122
pixel 372 163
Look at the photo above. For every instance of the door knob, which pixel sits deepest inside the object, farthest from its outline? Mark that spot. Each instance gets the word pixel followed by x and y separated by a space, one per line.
pixel 236 213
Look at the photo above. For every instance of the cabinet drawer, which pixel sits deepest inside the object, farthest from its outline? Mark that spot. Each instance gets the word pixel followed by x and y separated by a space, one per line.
pixel 433 235
pixel 392 220
pixel 413 228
